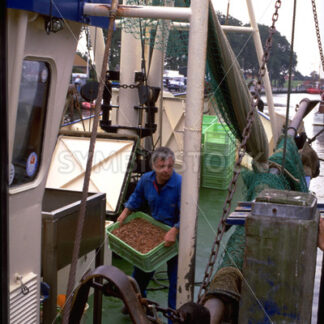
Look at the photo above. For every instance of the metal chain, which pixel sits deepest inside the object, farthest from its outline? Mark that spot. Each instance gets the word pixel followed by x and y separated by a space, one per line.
pixel 237 168
pixel 169 313
pixel 318 33
pixel 130 86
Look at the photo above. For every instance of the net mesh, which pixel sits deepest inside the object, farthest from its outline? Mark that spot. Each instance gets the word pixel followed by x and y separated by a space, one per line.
pixel 157 33
pixel 255 182
pixel 226 88
pixel 229 90
pixel 160 35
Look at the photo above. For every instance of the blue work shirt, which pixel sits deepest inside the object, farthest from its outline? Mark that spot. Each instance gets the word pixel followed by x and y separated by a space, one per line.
pixel 164 204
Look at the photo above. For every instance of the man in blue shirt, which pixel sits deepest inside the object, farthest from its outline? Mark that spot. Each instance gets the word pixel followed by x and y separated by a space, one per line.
pixel 160 189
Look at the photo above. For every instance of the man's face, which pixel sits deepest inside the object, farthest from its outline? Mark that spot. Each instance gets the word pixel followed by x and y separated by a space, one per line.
pixel 163 169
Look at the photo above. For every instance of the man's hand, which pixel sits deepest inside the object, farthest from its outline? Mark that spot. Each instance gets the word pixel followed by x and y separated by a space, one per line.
pixel 171 236
pixel 125 213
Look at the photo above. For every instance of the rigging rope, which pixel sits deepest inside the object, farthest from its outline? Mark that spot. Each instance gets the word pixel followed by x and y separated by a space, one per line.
pixel 76 248
pixel 289 87
pixel 310 140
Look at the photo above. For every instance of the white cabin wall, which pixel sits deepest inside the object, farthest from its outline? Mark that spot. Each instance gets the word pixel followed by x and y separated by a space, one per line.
pixel 29 39
pixel 17 28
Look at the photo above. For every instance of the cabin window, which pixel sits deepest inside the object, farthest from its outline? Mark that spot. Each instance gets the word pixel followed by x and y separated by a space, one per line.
pixel 32 103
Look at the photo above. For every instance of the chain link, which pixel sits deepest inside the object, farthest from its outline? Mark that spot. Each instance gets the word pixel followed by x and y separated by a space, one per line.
pixel 318 33
pixel 169 313
pixel 129 86
pixel 237 169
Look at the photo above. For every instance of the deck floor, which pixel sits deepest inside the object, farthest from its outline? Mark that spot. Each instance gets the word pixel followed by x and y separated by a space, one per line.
pixel 210 210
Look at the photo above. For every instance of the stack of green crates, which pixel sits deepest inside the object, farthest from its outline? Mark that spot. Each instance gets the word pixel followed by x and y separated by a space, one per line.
pixel 218 156
pixel 206 122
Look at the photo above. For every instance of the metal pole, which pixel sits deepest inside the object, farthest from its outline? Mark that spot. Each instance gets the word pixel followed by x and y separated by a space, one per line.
pixel 155 74
pixel 304 107
pixel 192 141
pixel 237 29
pixel 128 98
pixel 266 80
pixel 176 25
pixel 4 215
pixel 154 12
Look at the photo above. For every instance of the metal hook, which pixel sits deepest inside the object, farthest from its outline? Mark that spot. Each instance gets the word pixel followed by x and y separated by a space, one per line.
pixel 24 288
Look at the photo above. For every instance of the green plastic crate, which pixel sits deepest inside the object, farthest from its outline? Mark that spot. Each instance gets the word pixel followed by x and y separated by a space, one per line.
pixel 218 160
pixel 218 138
pixel 219 185
pixel 206 122
pixel 209 119
pixel 223 174
pixel 149 261
pixel 220 182
pixel 216 178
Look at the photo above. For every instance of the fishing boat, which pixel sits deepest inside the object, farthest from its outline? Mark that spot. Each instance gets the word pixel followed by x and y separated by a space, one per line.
pixel 47 222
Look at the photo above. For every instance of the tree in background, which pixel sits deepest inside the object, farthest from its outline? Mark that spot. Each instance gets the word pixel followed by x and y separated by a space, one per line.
pixel 114 55
pixel 242 44
pixel 314 76
pixel 243 47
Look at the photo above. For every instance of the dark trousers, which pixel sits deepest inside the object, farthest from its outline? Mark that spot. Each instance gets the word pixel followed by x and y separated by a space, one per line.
pixel 143 279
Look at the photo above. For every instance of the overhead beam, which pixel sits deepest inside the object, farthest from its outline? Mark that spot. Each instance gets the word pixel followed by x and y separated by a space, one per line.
pixel 236 29
pixel 133 11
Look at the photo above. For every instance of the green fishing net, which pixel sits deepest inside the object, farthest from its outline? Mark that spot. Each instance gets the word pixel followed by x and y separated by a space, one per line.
pixel 255 182
pixel 158 33
pixel 231 95
pixel 293 164
pixel 233 253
